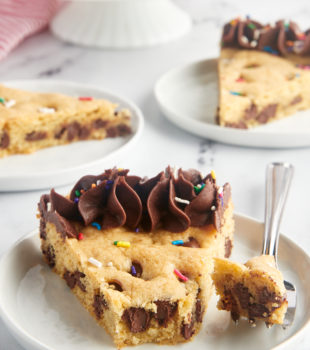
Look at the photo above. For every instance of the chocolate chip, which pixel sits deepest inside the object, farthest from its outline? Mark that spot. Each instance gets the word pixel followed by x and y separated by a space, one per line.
pixel 84 133
pixel 165 311
pixel 112 131
pixel 138 268
pixel 296 100
pixel 228 247
pixel 4 140
pixel 99 123
pixel 251 112
pixel 116 285
pixel 123 129
pixel 42 228
pixel 192 243
pixel 258 310
pixel 99 305
pixel 238 125
pixel 74 279
pixel 229 303
pixel 187 330
pixel 36 136
pixel 198 311
pixel 267 113
pixel 58 135
pixel 119 130
pixel 73 131
pixel 243 295
pixel 265 296
pixel 50 255
pixel 234 314
pixel 137 319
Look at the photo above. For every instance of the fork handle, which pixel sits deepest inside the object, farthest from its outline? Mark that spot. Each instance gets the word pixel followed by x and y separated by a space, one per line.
pixel 278 180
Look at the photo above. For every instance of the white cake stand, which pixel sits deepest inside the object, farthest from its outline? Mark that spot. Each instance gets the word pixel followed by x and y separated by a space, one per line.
pixel 120 23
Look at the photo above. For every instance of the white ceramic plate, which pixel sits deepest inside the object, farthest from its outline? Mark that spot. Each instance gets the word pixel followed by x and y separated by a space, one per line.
pixel 188 96
pixel 55 166
pixel 42 313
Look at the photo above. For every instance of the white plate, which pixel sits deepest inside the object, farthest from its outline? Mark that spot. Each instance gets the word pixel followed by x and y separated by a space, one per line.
pixel 42 313
pixel 188 96
pixel 55 166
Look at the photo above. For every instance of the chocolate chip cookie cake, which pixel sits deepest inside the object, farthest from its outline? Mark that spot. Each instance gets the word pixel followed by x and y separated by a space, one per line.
pixel 30 121
pixel 264 72
pixel 138 253
pixel 254 290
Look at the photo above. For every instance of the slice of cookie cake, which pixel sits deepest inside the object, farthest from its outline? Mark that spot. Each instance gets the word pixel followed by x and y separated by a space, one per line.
pixel 264 72
pixel 138 253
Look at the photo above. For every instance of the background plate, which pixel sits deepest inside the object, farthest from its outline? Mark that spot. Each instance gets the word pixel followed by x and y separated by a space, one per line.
pixel 42 313
pixel 188 96
pixel 55 166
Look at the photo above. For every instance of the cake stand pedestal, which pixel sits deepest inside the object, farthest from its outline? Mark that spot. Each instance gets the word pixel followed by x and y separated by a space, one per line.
pixel 120 23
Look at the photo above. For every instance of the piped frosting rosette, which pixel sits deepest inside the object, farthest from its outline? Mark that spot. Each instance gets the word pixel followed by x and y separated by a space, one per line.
pixel 283 38
pixel 173 200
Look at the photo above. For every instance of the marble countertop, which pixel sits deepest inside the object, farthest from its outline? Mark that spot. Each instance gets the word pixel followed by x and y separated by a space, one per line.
pixel 132 73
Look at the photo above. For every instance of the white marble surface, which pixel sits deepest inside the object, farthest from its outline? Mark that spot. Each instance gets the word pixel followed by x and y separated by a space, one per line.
pixel 133 73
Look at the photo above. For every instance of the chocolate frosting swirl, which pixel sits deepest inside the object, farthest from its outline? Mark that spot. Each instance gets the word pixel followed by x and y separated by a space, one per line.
pixel 281 39
pixel 173 201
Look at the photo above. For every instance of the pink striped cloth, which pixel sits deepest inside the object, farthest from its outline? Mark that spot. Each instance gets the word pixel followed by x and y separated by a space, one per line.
pixel 22 18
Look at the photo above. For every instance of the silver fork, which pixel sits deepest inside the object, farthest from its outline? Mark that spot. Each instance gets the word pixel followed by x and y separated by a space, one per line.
pixel 278 180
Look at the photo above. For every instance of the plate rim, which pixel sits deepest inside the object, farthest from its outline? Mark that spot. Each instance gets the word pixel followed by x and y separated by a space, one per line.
pixel 71 84
pixel 18 331
pixel 200 127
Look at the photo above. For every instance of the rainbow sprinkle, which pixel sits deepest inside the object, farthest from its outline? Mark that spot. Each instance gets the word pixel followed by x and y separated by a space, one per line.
pixel 301 36
pixel 122 244
pixel 240 80
pixel 76 200
pixel 180 275
pixel 133 271
pixel 234 22
pixel 77 193
pixel 178 242
pixel 108 184
pixel 137 229
pixel 95 262
pixel 213 175
pixel 85 98
pixel 199 188
pixel 252 26
pixel 10 103
pixel 80 236
pixel 236 93
pixel 2 100
pixel 180 200
pixel 213 208
pixel 93 185
pixel 303 66
pixel 95 224
pixel 270 50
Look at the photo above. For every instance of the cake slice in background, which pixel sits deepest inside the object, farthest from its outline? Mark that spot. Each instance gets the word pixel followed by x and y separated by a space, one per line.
pixel 138 254
pixel 264 73
pixel 254 290
pixel 30 121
